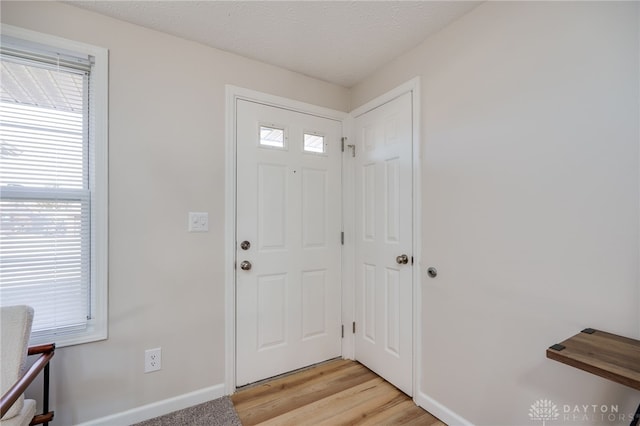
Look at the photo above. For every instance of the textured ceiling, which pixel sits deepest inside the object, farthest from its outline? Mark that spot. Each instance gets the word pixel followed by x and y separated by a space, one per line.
pixel 337 41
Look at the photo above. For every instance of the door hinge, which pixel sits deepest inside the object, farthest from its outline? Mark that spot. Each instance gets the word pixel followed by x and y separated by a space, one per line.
pixel 354 327
pixel 353 147
pixel 342 238
pixel 342 326
pixel 353 150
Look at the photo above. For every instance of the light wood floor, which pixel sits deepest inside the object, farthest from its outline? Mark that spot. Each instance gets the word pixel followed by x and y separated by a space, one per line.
pixel 339 392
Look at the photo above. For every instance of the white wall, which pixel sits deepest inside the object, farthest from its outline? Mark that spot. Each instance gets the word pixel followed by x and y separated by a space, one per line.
pixel 530 188
pixel 166 288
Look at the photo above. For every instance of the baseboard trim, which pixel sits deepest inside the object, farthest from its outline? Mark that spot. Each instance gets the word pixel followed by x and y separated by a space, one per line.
pixel 440 411
pixel 159 408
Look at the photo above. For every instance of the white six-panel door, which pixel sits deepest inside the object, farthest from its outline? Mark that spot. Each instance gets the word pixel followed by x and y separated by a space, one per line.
pixel 383 287
pixel 288 304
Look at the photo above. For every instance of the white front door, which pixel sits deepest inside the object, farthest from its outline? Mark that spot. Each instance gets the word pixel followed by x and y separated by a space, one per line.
pixel 383 235
pixel 288 248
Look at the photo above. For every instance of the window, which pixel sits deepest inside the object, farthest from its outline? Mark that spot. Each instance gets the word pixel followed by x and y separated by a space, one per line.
pixel 53 184
pixel 272 137
pixel 314 143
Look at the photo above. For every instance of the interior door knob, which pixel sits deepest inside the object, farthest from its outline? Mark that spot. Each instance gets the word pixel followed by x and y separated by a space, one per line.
pixel 402 259
pixel 245 265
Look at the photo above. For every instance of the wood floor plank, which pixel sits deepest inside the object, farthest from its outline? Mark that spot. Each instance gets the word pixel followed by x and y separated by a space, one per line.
pixel 398 404
pixel 339 392
pixel 413 415
pixel 249 395
pixel 297 393
pixel 359 404
pixel 330 406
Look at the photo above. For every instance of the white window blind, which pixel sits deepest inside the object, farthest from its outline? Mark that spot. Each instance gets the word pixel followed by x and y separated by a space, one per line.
pixel 47 185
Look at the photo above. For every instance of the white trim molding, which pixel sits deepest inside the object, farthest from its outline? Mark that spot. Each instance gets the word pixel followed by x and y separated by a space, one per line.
pixel 440 411
pixel 348 248
pixel 159 408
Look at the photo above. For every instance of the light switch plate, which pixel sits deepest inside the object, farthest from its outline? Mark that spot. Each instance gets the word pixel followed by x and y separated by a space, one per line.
pixel 198 222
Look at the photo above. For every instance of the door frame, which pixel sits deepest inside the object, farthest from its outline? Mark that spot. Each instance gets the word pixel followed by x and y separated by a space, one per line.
pixel 412 86
pixel 233 94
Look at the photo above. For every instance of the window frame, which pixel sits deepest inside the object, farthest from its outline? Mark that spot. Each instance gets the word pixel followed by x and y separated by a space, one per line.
pixel 97 326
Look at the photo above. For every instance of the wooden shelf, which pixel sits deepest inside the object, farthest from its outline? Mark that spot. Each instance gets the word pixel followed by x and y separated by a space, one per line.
pixel 604 354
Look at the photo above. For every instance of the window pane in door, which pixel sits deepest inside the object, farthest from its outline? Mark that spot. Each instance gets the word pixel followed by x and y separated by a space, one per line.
pixel 314 143
pixel 271 136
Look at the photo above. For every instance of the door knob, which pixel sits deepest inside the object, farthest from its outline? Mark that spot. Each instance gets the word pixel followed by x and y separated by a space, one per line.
pixel 245 265
pixel 402 259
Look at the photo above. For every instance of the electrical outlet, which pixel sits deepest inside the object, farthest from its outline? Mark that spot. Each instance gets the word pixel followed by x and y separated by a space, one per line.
pixel 152 360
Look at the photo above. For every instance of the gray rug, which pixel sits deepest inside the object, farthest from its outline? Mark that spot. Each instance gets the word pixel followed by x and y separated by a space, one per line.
pixel 219 412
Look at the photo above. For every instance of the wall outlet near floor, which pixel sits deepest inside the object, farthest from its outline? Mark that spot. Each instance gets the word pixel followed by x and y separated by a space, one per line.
pixel 152 360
